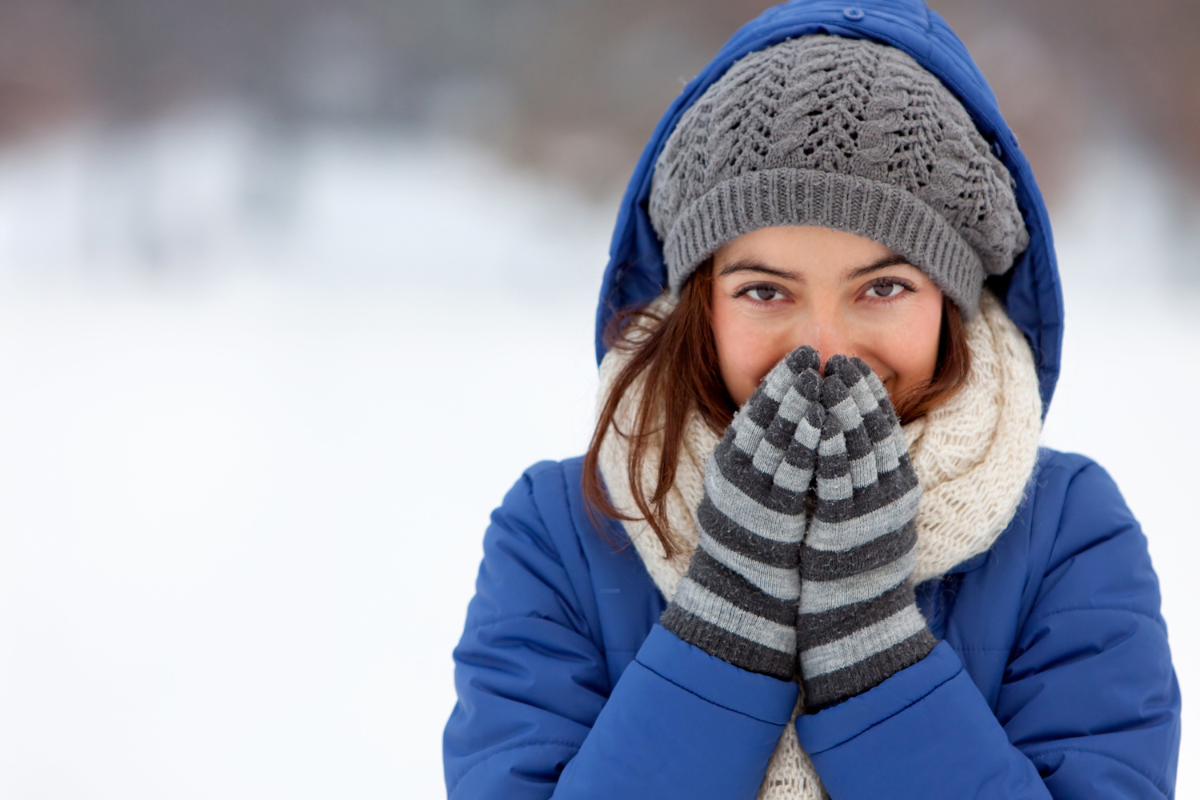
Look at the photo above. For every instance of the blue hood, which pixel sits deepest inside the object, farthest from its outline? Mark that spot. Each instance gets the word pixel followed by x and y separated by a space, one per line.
pixel 1031 290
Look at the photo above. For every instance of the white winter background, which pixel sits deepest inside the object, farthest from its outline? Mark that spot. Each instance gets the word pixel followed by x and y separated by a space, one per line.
pixel 258 398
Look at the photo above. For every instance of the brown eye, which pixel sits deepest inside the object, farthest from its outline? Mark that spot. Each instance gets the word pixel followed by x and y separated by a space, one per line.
pixel 763 294
pixel 886 289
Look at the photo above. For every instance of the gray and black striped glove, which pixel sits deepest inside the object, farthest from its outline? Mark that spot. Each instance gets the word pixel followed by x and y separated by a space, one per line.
pixel 859 623
pixel 738 599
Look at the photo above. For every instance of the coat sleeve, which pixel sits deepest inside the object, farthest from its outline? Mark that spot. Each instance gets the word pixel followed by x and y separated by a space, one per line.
pixel 536 715
pixel 1089 705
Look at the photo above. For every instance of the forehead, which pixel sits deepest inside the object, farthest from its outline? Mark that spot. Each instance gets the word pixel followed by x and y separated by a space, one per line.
pixel 802 248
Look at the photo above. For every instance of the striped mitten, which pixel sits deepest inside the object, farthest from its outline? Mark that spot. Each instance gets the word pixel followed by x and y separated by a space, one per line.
pixel 859 623
pixel 738 599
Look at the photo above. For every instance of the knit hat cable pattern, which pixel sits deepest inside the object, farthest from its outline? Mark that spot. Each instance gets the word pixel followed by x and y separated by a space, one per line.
pixel 838 133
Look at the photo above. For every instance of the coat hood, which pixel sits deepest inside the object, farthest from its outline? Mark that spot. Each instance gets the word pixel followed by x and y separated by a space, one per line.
pixel 1030 291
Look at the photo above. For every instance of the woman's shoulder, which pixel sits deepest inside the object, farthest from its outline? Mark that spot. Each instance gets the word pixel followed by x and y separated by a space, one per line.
pixel 546 552
pixel 1070 502
pixel 546 506
pixel 1078 521
pixel 1071 521
pixel 547 499
pixel 533 562
pixel 1071 483
pixel 1067 463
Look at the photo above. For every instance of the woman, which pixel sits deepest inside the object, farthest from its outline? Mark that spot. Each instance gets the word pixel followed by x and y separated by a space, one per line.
pixel 814 547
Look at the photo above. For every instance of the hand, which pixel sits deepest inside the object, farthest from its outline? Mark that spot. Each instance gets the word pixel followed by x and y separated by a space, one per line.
pixel 738 599
pixel 858 621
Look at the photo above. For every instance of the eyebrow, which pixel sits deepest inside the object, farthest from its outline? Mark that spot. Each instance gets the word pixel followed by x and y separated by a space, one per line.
pixel 755 266
pixel 748 265
pixel 883 263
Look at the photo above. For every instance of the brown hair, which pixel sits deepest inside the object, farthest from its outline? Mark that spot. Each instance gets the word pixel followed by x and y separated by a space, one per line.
pixel 674 355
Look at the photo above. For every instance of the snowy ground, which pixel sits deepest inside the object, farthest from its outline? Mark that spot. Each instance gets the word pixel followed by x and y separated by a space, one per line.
pixel 242 490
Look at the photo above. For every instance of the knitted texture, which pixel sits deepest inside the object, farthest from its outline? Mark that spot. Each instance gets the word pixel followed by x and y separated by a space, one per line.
pixel 858 622
pixel 738 599
pixel 973 457
pixel 839 133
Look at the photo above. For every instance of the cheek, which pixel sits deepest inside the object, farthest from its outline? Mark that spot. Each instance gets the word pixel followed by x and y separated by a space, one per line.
pixel 746 351
pixel 909 354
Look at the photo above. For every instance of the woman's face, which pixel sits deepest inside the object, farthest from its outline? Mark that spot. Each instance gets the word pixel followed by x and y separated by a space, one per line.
pixel 779 288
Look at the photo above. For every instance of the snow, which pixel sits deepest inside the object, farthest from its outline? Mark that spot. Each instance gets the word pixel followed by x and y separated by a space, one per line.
pixel 260 399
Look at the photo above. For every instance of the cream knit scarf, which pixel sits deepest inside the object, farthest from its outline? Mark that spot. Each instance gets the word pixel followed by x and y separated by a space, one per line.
pixel 973 456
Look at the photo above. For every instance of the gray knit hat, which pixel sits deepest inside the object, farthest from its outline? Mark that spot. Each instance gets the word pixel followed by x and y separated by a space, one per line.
pixel 838 133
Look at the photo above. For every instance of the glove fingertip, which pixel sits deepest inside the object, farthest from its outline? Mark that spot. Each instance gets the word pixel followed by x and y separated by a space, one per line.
pixel 808 385
pixel 775 383
pixel 831 427
pixel 817 415
pixel 803 358
pixel 808 430
pixel 873 383
pixel 833 390
pixel 849 372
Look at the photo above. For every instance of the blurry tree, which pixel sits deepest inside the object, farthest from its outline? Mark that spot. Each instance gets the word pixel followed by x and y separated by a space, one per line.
pixel 1065 71
pixel 47 57
pixel 573 86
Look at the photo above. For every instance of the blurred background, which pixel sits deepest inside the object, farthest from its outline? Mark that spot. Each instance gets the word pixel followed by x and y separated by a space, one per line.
pixel 291 292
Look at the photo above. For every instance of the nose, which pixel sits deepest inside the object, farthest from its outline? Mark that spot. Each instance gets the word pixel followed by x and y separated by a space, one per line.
pixel 823 331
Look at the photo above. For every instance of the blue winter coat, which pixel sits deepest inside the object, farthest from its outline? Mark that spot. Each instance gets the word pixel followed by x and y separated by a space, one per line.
pixel 1053 677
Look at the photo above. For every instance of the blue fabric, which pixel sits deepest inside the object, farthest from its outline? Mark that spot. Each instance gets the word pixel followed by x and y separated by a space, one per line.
pixel 1053 678
pixel 1031 291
